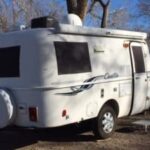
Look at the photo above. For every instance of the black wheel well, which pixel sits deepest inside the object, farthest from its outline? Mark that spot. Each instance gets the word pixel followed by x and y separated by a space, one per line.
pixel 112 103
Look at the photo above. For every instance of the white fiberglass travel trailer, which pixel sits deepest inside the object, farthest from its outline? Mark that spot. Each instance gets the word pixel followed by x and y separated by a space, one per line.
pixel 64 74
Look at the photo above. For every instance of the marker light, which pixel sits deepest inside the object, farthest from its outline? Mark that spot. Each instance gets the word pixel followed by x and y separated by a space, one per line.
pixel 64 113
pixel 125 45
pixel 33 114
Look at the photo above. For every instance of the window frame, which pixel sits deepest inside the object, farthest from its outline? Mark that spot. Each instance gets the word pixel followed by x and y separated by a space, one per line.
pixel 77 59
pixel 10 61
pixel 139 63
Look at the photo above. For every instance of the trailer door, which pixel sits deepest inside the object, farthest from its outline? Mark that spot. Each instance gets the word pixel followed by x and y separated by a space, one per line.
pixel 140 85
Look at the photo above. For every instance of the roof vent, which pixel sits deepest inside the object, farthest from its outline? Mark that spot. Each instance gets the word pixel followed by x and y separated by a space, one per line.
pixel 72 19
pixel 43 22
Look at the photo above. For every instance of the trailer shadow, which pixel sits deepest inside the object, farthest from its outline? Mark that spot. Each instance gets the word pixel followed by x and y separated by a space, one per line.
pixel 126 125
pixel 13 138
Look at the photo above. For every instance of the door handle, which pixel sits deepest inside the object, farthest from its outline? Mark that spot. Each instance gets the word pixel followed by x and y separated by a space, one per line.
pixel 137 78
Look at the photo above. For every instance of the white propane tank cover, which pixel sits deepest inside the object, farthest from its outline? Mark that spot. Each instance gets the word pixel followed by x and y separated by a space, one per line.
pixel 72 19
pixel 6 109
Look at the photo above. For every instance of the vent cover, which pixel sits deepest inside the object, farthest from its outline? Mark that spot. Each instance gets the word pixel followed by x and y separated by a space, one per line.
pixel 43 22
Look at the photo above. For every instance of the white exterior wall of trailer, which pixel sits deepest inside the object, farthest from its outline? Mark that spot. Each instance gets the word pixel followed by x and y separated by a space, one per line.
pixel 27 85
pixel 64 97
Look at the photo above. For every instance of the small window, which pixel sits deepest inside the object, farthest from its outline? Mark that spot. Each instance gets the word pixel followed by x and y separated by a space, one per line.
pixel 72 57
pixel 9 61
pixel 138 59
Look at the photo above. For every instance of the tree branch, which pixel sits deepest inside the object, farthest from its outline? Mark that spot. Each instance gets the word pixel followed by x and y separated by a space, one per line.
pixel 81 8
pixel 105 13
pixel 91 6
pixel 72 6
pixel 103 4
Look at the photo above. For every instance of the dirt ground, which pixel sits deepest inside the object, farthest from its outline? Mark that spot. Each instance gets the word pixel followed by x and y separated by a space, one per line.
pixel 127 137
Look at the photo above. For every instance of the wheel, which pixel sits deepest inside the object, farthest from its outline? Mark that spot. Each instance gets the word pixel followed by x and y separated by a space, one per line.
pixel 105 123
pixel 7 108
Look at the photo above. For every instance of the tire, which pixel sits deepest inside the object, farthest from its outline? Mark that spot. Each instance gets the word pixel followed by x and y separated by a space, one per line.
pixel 105 123
pixel 7 108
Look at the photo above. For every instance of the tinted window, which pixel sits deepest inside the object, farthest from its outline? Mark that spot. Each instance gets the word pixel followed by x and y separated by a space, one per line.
pixel 9 61
pixel 72 57
pixel 138 59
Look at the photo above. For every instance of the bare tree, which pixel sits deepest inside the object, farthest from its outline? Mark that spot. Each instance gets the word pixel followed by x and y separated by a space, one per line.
pixel 78 7
pixel 119 18
pixel 144 8
pixel 54 10
pixel 142 13
pixel 105 13
pixel 16 12
pixel 3 15
pixel 28 9
pixel 72 6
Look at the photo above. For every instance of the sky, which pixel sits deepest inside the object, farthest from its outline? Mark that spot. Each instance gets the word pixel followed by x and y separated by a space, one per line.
pixel 129 5
pixel 114 3
pixel 121 3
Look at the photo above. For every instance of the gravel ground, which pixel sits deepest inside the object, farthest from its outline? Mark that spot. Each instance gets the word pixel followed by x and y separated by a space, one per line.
pixel 127 137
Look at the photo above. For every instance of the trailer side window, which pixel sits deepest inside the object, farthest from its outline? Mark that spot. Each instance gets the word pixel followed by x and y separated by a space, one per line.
pixel 138 59
pixel 9 62
pixel 72 57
